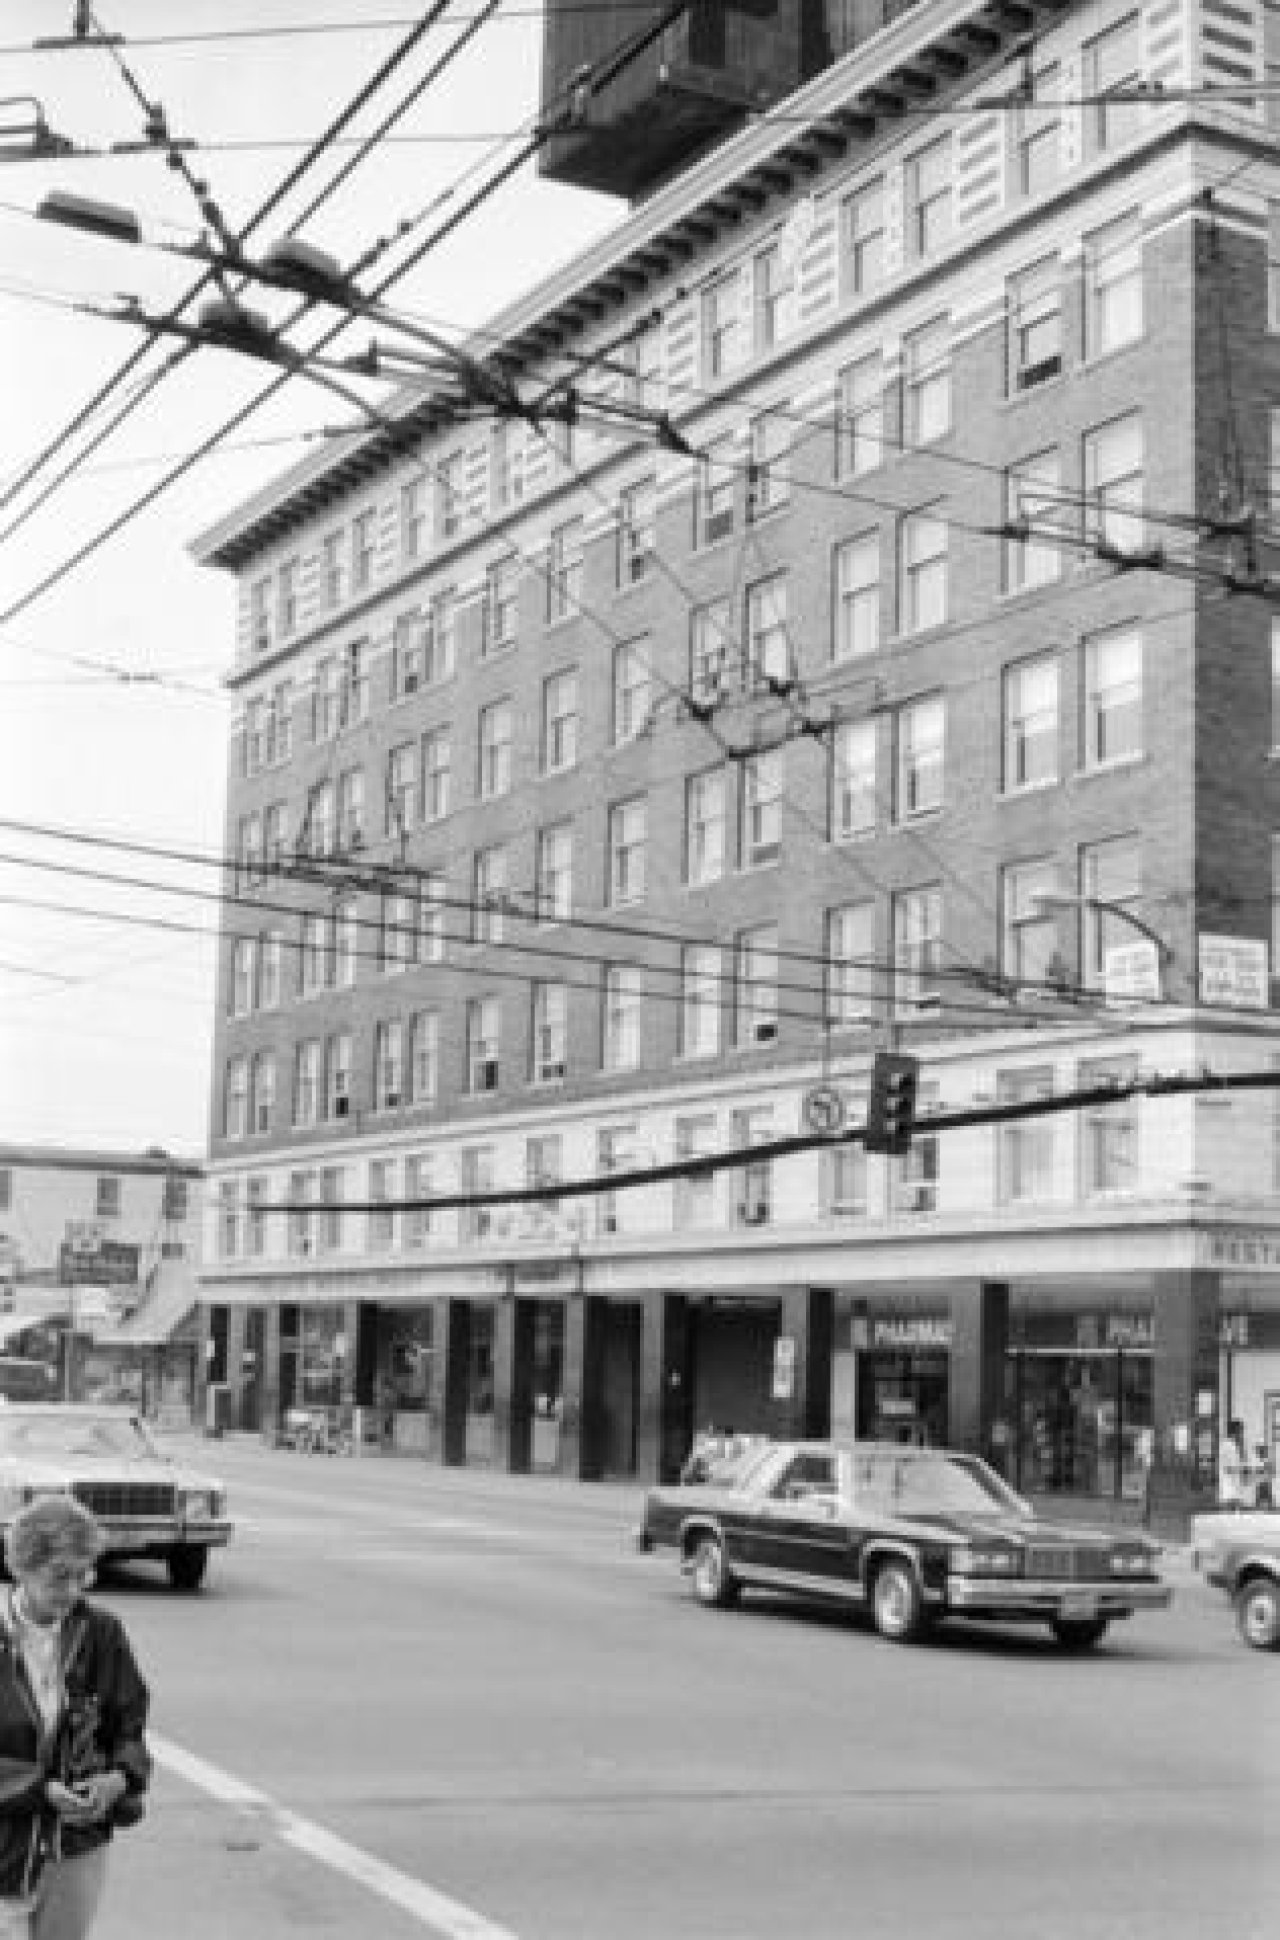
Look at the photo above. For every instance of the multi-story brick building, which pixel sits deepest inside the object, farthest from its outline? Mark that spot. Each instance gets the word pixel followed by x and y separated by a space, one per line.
pixel 593 798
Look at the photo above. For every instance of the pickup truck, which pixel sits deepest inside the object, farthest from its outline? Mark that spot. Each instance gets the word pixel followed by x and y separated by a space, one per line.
pixel 1238 1550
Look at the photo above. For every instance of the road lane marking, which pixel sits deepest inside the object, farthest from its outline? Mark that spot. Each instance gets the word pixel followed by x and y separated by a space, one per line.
pixel 445 1917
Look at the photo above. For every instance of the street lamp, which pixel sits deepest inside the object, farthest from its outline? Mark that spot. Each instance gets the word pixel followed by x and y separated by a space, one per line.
pixel 1049 899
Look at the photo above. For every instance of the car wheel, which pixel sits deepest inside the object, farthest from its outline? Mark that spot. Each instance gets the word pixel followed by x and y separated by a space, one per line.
pixel 713 1581
pixel 897 1607
pixel 1258 1613
pixel 187 1565
pixel 1079 1633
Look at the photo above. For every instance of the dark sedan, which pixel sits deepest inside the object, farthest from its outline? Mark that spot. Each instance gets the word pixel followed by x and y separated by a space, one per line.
pixel 910 1534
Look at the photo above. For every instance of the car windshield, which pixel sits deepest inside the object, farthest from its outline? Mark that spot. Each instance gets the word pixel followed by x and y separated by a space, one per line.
pixel 932 1484
pixel 52 1437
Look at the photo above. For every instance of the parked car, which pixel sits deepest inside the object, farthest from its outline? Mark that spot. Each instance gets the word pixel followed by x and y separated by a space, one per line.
pixel 1238 1550
pixel 911 1534
pixel 149 1506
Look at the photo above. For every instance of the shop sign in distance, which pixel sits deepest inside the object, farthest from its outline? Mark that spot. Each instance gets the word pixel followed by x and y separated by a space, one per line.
pixel 823 1109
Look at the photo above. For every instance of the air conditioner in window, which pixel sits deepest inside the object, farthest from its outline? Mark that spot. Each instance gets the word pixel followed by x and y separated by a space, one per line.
pixel 756 1214
pixel 764 1030
pixel 1039 373
pixel 488 1075
pixel 554 1069
pixel 356 839
pixel 391 1101
pixel 411 681
pixel 718 526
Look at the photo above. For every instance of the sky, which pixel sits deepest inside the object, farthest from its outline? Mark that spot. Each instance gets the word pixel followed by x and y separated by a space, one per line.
pixel 113 710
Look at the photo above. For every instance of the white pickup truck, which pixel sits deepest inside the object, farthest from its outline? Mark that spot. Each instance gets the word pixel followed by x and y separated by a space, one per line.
pixel 1238 1550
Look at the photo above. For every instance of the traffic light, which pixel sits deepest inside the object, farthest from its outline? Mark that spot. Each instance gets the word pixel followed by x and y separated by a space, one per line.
pixel 891 1108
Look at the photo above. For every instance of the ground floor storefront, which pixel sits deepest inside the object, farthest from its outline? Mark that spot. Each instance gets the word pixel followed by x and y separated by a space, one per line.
pixel 1105 1387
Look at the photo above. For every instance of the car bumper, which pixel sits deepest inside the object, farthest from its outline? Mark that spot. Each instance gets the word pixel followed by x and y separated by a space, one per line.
pixel 135 1536
pixel 1079 1602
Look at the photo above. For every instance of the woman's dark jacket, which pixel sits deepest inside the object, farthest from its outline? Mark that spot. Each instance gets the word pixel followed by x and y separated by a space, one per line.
pixel 103 1729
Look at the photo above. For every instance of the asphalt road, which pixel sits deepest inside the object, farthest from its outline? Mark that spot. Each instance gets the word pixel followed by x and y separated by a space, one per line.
pixel 457 1705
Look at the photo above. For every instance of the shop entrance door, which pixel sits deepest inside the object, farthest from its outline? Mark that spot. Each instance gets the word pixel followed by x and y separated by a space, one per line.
pixel 902 1397
pixel 732 1355
pixel 619 1387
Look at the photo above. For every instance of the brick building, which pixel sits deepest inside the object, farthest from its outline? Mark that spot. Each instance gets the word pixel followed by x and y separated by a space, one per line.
pixel 594 798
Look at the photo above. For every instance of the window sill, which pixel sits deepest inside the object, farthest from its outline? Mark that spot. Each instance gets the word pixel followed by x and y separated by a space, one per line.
pixel 1028 788
pixel 1122 764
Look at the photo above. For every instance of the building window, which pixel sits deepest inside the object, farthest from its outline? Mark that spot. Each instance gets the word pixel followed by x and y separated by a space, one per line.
pixel 623 1004
pixel 632 686
pixel 351 809
pixel 424 1057
pixel 287 598
pixel 615 1152
pixel 493 773
pixel 450 503
pixel 399 931
pixel 380 1231
pixel 438 638
pixel 843 1182
pixel 1275 684
pixel 363 542
pixel 921 730
pixel 914 1178
pixel 1113 286
pixel 6 1190
pixel 544 1170
pixel 853 780
pixel 280 723
pixel 694 1199
pixel 1028 927
pixel 507 465
pixel 1110 872
pixel 564 571
pixel 338 1076
pixel 1275 902
pixel 413 520
pixel 1037 133
pixel 270 971
pixel 722 326
pixel 644 383
pixel 275 839
pixel 857 597
pixel 1113 62
pixel 1034 308
pixel 244 958
pixel 559 721
pixel 354 704
pixel 326 699
pixel 553 873
pixel 402 788
pixel 476 1176
pixel 306 1082
pixel 714 497
pixel 755 986
pixel 860 417
pixel 704 828
pixel 776 309
pixel 262 1088
pixel 235 1116
pixel 484 1022
pixel 628 828
pixel 1033 505
pixel 332 579
pixel 249 852
pixel 388 1066
pixel 437 774
pixel 864 240
pixel 431 909
pixel 768 463
pixel 922 572
pixel 637 531
pixel 313 954
pixel 301 1236
pixel 1273 266
pixel 228 1219
pixel 699 1000
pixel 927 382
pixel 917 948
pixel 488 895
pixel 768 643
pixel 761 808
pixel 260 616
pixel 852 979
pixel 709 645
pixel 255 737
pixel 501 602
pixel 331 1194
pixel 255 1233
pixel 1112 697
pixel 1031 723
pixel 753 1182
pixel 1113 483
pixel 1108 1132
pixel 929 199
pixel 550 1032
pixel 346 926
pixel 419 1225
pixel 407 654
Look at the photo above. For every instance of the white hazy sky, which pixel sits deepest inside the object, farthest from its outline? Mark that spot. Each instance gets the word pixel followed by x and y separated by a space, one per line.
pixel 113 717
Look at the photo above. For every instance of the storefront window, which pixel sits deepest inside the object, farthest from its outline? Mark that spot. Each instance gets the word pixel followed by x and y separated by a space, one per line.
pixel 1083 1423
pixel 323 1345
pixel 548 1383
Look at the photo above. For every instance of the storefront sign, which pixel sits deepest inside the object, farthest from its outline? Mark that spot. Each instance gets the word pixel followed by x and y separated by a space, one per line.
pixel 1233 971
pixel 908 1331
pixel 784 1367
pixel 1131 973
pixel 110 1263
pixel 1256 1252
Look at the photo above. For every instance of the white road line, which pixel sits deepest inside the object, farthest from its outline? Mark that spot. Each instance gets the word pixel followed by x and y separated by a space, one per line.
pixel 443 1916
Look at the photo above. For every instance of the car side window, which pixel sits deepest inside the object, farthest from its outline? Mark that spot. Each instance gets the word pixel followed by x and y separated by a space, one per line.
pixel 807 1475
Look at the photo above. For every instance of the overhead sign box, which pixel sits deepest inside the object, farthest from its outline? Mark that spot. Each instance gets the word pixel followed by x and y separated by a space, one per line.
pixel 1234 971
pixel 1131 973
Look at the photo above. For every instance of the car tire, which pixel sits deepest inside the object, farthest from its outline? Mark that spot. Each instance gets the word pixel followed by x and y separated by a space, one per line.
pixel 187 1564
pixel 713 1581
pixel 897 1606
pixel 1257 1606
pixel 1078 1633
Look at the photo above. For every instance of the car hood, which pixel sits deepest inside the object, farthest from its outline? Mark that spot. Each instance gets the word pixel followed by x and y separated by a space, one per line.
pixel 1022 1531
pixel 1255 1528
pixel 55 1473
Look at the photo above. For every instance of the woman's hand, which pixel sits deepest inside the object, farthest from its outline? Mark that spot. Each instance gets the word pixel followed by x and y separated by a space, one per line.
pixel 86 1803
